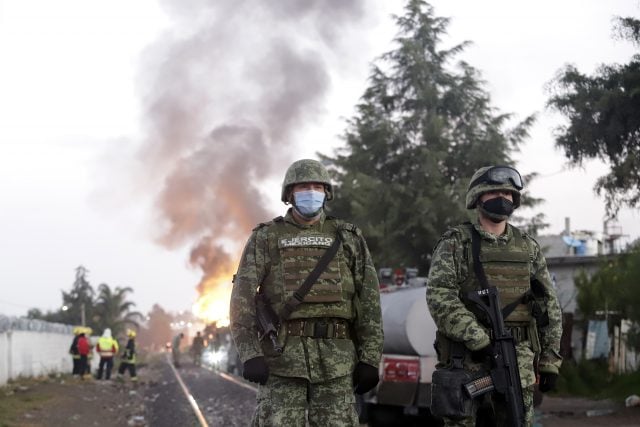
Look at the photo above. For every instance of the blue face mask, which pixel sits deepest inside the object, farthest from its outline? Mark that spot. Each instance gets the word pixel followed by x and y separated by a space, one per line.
pixel 308 203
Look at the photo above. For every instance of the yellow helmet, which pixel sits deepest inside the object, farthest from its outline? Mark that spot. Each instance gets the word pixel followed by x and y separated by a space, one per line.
pixel 131 333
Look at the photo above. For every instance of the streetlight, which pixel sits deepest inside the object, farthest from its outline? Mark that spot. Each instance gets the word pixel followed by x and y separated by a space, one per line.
pixel 65 308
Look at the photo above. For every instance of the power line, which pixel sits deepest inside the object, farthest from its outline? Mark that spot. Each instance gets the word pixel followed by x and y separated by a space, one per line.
pixel 13 304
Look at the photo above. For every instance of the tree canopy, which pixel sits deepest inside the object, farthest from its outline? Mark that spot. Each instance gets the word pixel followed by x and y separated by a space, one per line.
pixel 421 129
pixel 614 289
pixel 109 308
pixel 157 331
pixel 603 113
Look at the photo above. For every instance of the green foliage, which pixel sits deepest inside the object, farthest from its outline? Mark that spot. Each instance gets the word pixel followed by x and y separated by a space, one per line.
pixel 108 309
pixel 114 311
pixel 80 297
pixel 583 379
pixel 158 328
pixel 603 111
pixel 613 287
pixel 591 378
pixel 422 128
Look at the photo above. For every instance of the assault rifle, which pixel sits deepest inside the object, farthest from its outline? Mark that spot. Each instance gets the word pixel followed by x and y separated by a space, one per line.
pixel 503 376
pixel 267 321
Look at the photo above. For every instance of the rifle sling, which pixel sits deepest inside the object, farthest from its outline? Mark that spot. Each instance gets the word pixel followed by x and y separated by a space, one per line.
pixel 476 241
pixel 298 296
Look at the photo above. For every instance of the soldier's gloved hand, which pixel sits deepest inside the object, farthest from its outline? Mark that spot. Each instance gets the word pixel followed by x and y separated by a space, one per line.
pixel 256 370
pixel 547 381
pixel 483 355
pixel 365 377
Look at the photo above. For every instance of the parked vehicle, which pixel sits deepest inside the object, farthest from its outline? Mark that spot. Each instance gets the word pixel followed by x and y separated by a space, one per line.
pixel 408 359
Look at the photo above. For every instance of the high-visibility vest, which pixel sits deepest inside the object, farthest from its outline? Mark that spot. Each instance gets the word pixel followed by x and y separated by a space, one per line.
pixel 107 347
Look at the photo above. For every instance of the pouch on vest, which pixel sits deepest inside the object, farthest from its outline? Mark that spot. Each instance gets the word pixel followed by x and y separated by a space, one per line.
pixel 300 255
pixel 448 398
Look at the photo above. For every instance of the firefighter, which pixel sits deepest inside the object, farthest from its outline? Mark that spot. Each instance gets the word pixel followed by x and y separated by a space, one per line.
pixel 333 337
pixel 73 351
pixel 107 348
pixel 128 361
pixel 87 369
pixel 83 350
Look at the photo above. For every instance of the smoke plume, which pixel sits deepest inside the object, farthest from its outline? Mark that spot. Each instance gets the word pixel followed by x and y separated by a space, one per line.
pixel 224 93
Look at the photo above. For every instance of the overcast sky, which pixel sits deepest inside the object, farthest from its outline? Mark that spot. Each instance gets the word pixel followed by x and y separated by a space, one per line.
pixel 77 81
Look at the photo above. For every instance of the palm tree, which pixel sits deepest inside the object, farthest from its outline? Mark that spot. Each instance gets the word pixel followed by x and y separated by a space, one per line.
pixel 114 311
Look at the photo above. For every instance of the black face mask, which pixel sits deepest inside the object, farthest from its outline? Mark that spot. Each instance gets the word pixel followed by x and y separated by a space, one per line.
pixel 497 209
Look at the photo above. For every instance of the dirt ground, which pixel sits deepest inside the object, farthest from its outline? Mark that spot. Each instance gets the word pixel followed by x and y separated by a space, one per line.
pixel 65 401
pixel 157 401
pixel 574 411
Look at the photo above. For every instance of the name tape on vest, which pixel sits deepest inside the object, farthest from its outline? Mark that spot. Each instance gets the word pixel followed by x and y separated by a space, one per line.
pixel 324 241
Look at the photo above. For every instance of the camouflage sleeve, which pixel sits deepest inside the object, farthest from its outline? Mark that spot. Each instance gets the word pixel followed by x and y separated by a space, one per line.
pixel 368 318
pixel 449 313
pixel 550 359
pixel 242 313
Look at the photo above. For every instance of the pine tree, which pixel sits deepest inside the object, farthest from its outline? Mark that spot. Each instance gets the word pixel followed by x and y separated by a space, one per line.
pixel 422 127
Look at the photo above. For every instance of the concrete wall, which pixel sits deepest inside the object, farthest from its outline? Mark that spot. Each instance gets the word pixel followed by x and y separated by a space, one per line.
pixel 30 348
pixel 33 353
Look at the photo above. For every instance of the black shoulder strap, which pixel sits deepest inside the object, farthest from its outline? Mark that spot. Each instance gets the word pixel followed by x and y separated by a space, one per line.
pixel 476 241
pixel 294 301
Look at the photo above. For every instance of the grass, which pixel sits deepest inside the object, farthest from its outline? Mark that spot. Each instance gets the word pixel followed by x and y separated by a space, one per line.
pixel 15 403
pixel 591 378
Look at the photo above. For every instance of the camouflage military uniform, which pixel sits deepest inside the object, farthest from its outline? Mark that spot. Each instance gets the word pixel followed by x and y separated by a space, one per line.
pixel 452 275
pixel 313 373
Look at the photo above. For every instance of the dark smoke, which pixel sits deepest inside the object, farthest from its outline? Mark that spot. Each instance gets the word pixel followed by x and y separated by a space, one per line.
pixel 225 92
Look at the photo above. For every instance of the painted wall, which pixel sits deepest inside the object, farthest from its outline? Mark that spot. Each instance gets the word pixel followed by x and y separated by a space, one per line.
pixel 33 353
pixel 31 348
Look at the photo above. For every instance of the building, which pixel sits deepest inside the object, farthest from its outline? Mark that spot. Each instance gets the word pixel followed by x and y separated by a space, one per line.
pixel 567 255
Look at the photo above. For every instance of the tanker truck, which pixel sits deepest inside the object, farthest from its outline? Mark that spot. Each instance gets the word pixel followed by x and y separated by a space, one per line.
pixel 408 360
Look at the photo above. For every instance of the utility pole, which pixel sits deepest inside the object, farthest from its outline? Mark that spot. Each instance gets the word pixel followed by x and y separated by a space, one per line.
pixel 82 314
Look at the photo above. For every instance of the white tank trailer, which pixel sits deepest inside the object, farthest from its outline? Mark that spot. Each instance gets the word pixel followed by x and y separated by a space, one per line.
pixel 408 359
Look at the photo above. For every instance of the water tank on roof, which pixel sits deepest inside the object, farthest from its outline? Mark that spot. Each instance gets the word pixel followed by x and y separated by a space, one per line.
pixel 572 241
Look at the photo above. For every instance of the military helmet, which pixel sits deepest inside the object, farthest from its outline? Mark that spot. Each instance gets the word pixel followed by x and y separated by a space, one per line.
pixel 494 178
pixel 306 170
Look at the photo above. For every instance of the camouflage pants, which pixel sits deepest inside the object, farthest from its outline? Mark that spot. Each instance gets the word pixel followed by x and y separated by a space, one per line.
pixel 500 412
pixel 285 402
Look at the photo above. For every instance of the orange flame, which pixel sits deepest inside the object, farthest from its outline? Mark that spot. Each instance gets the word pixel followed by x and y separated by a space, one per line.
pixel 213 303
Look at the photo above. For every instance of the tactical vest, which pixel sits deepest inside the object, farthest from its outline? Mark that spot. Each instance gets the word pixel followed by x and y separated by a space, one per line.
pixel 294 254
pixel 506 267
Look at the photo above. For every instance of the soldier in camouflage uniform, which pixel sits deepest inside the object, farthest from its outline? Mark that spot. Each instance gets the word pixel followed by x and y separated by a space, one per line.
pixel 333 340
pixel 514 263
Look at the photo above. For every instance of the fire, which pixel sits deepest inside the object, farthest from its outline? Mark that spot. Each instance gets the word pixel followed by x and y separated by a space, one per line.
pixel 213 303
